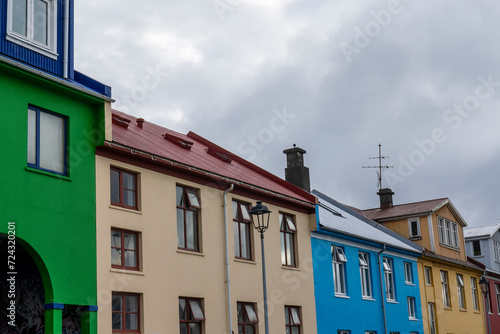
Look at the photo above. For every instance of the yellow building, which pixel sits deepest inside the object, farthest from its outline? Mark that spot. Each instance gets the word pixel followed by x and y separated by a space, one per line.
pixel 450 294
pixel 177 250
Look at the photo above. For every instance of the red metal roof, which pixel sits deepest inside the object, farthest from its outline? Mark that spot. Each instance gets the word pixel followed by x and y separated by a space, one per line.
pixel 405 209
pixel 150 139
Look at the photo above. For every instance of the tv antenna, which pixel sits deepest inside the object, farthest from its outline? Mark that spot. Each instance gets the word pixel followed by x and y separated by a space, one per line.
pixel 380 166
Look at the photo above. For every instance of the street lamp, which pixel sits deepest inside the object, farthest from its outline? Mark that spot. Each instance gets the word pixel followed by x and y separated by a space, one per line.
pixel 485 288
pixel 261 224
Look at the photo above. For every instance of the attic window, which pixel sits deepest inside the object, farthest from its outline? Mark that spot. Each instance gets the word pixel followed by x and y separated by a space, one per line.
pixel 120 121
pixel 178 141
pixel 226 157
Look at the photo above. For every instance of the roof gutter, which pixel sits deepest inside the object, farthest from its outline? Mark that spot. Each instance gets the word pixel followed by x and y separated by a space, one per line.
pixel 66 39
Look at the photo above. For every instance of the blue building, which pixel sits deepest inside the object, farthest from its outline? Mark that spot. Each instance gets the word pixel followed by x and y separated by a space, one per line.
pixel 365 275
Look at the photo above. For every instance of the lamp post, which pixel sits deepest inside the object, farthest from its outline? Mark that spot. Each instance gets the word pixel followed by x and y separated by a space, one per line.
pixel 485 289
pixel 261 224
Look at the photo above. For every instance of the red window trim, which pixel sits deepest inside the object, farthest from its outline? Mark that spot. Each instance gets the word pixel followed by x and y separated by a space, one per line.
pixel 240 220
pixel 120 185
pixel 122 249
pixel 190 207
pixel 245 316
pixel 123 312
pixel 289 321
pixel 188 308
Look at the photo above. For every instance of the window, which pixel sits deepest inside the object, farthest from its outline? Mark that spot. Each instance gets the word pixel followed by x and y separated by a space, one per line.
pixel 408 273
pixel 342 331
pixel 448 233
pixel 126 312
pixel 488 302
pixel 475 297
pixel 414 227
pixel 124 249
pixel 242 228
pixel 47 141
pixel 432 318
pixel 191 316
pixel 339 259
pixel 32 24
pixel 364 272
pixel 476 248
pixel 497 290
pixel 292 320
pixel 123 188
pixel 496 251
pixel 445 289
pixel 460 291
pixel 188 206
pixel 287 234
pixel 370 332
pixel 428 275
pixel 412 308
pixel 247 318
pixel 390 293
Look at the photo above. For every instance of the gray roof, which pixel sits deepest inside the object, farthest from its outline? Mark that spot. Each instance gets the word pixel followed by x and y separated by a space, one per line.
pixel 339 218
pixel 481 231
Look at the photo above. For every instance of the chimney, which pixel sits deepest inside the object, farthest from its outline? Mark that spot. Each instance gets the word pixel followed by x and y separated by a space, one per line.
pixel 140 122
pixel 295 172
pixel 385 198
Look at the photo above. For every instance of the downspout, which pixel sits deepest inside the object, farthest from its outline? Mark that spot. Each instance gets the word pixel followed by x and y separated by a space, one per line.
pixel 228 279
pixel 66 40
pixel 382 295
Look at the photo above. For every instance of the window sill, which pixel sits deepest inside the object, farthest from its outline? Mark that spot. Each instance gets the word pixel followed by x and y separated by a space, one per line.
pixel 290 268
pixel 184 251
pixel 124 271
pixel 415 238
pixel 410 283
pixel 462 310
pixel 450 247
pixel 392 302
pixel 478 256
pixel 342 296
pixel 11 37
pixel 39 171
pixel 125 209
pixel 369 299
pixel 413 319
pixel 446 308
pixel 245 261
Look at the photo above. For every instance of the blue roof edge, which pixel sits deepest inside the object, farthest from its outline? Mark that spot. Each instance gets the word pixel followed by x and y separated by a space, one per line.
pixel 92 84
pixel 418 248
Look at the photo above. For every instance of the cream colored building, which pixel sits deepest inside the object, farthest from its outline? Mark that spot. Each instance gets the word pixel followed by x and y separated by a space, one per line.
pixel 172 256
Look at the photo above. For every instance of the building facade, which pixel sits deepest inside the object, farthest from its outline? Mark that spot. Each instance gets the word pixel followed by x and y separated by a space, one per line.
pixel 449 288
pixel 366 278
pixel 53 119
pixel 177 251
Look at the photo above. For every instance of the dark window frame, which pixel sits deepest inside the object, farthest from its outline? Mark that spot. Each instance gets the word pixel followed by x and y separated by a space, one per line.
pixel 124 312
pixel 122 249
pixel 189 314
pixel 121 189
pixel 248 225
pixel 189 206
pixel 290 324
pixel 244 319
pixel 284 232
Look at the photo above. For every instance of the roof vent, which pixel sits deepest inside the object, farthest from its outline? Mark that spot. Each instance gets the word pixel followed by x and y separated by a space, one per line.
pixel 178 141
pixel 224 156
pixel 120 121
pixel 140 122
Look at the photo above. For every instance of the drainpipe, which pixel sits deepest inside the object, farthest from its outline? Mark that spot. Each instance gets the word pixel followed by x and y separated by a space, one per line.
pixel 66 40
pixel 382 295
pixel 228 279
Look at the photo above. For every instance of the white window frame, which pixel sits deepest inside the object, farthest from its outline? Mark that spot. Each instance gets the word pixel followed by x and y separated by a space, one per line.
pixel 412 308
pixel 389 279
pixel 339 270
pixel 432 318
pixel 448 233
pixel 408 273
pixel 342 331
pixel 365 275
pixel 48 50
pixel 445 289
pixel 428 276
pixel 417 221
pixel 461 291
pixel 475 296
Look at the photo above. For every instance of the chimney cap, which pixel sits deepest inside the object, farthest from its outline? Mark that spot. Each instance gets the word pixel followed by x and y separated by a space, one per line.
pixel 140 122
pixel 385 191
pixel 294 149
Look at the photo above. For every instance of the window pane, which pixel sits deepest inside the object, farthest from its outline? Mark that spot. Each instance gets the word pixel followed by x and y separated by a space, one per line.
pixel 295 316
pixel 40 20
pixel 235 210
pixel 184 328
pixel 130 259
pixel 414 228
pixel 128 181
pixel 290 255
pixel 117 321
pixel 131 303
pixel 249 329
pixel 245 246
pixel 193 197
pixel 244 212
pixel 117 303
pixel 196 310
pixel 132 321
pixel 19 16
pixel 52 141
pixel 180 228
pixel 194 328
pixel 31 137
pixel 290 223
pixel 283 251
pixel 252 316
pixel 129 197
pixel 115 186
pixel 116 258
pixel 236 235
pixel 129 240
pixel 191 233
pixel 178 195
pixel 182 309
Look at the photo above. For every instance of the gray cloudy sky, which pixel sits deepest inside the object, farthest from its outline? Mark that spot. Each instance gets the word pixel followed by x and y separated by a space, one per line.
pixel 336 77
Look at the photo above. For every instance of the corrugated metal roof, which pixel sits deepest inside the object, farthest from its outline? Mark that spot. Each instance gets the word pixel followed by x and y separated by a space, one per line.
pixel 150 139
pixel 340 218
pixel 405 209
pixel 481 231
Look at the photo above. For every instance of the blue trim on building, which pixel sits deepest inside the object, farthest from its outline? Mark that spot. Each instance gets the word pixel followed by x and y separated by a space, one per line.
pixel 90 308
pixel 53 306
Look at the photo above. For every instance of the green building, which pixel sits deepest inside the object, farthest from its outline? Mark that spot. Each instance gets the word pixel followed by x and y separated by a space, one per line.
pixel 52 118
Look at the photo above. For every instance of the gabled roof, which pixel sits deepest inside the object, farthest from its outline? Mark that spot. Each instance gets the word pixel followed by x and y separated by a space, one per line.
pixel 336 217
pixel 194 152
pixel 481 231
pixel 413 209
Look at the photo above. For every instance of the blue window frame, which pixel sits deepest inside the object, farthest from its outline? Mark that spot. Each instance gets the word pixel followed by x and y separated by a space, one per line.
pixel 47 141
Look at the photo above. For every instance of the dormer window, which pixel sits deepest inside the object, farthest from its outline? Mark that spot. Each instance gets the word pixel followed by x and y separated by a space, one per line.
pixel 33 25
pixel 414 228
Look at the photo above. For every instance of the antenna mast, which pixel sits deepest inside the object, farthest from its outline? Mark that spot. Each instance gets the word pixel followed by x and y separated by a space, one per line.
pixel 380 166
